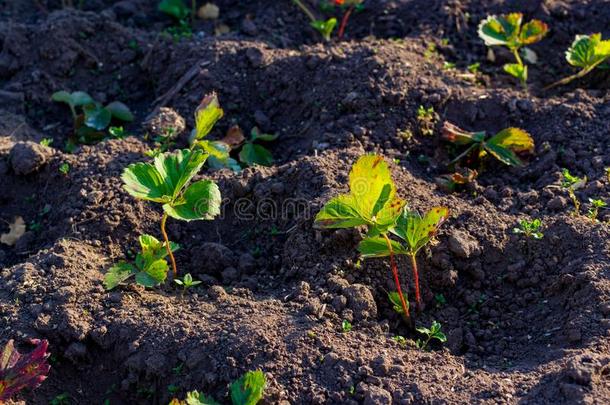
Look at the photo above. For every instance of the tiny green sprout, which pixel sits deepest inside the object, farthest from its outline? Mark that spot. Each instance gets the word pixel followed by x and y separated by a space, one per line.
pixel 61 399
pixel 372 201
pixel 150 267
pixel 351 390
pixel 530 229
pixel 573 183
pixel 440 300
pixel 64 168
pixel 117 132
pixel 167 181
pixel 596 205
pixel 504 145
pixel 187 282
pixel 448 65
pixel 474 68
pixel 427 119
pixel 90 117
pixel 415 231
pixel 430 51
pixel 508 30
pixel 254 154
pixel 434 332
pixel 400 340
pixel 346 326
pixel 46 141
pixel 396 302
pixel 249 389
pixel 586 52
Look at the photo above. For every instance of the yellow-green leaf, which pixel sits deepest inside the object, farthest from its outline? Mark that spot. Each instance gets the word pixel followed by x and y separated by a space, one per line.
pixel 206 115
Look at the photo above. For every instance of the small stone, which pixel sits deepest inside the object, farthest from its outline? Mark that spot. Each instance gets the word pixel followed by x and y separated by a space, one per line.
pixel 217 293
pixel 360 300
pixel 374 395
pixel 165 123
pixel 211 258
pixel 230 274
pixel 463 245
pixel 557 203
pixel 247 263
pixel 255 56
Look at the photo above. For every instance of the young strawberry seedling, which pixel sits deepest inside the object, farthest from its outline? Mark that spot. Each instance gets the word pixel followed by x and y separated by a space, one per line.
pixel 186 282
pixel 252 153
pixel 18 371
pixel 325 28
pixel 596 205
pixel 571 184
pixel 167 181
pixel 415 231
pixel 247 390
pixel 150 267
pixel 434 332
pixel 529 229
pixel 91 118
pixel 508 30
pixel 586 52
pixel 504 145
pixel 346 326
pixel 372 202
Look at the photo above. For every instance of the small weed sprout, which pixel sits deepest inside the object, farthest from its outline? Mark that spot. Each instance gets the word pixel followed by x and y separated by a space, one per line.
pixel 346 326
pixel 427 119
pixel 586 52
pixel 508 30
pixel 167 181
pixel 46 141
pixel 400 340
pixel 19 371
pixel 247 390
pixel 61 399
pixel 529 229
pixel 504 146
pixel 187 282
pixel 596 205
pixel 572 183
pixel 434 332
pixel 90 117
pixel 64 168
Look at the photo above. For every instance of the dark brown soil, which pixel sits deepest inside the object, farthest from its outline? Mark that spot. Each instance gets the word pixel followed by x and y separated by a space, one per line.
pixel 527 322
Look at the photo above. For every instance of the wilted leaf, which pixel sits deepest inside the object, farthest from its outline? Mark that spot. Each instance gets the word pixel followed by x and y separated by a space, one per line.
pixel 248 390
pixel 454 134
pixel 234 137
pixel 16 231
pixel 206 115
pixel 532 32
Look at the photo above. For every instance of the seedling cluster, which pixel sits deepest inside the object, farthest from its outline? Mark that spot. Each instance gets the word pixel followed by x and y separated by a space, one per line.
pixel 529 229
pixel 247 390
pixel 572 183
pixel 326 27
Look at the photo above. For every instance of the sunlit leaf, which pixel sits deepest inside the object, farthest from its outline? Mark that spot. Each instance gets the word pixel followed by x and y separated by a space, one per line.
pixel 501 30
pixel 377 246
pixel 532 32
pixel 516 70
pixel 206 115
pixel 253 154
pixel 118 274
pixel 248 390
pixel 417 231
pixel 201 200
pixel 588 50
pixel 507 142
pixel 153 275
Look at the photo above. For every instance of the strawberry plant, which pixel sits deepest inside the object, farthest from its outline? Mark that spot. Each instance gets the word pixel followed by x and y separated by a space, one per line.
pixel 596 205
pixel 324 27
pixel 415 231
pixel 167 181
pixel 432 333
pixel 508 30
pixel 427 119
pixel 351 6
pixel 572 183
pixel 529 229
pixel 150 267
pixel 90 117
pixel 187 282
pixel 247 390
pixel 18 371
pixel 371 202
pixel 586 52
pixel 252 153
pixel 504 145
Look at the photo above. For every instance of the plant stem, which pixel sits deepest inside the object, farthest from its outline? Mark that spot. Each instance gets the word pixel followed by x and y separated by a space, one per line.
pixel 575 201
pixel 167 246
pixel 305 10
pixel 405 308
pixel 193 11
pixel 346 16
pixel 416 280
pixel 517 56
pixel 568 79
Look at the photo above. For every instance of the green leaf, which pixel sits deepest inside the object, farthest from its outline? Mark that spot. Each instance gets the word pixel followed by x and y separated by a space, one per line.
pixel 62 97
pixel 325 28
pixel 206 115
pixel 454 134
pixel 80 98
pixel 143 181
pixel 588 51
pixel 507 142
pixel 117 274
pixel 416 230
pixel 217 149
pixel 372 199
pixel 394 298
pixel 256 134
pixel 174 8
pixel 516 70
pixel 120 111
pixel 377 246
pixel 178 168
pixel 153 275
pixel 195 398
pixel 201 200
pixel 253 154
pixel 152 250
pixel 248 390
pixel 97 117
